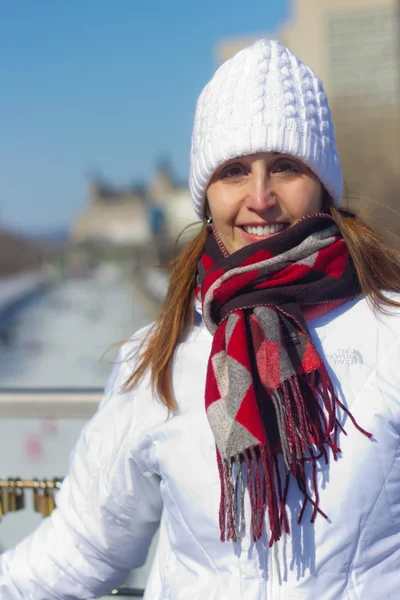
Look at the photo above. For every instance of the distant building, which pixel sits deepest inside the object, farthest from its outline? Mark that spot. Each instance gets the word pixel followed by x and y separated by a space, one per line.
pixel 173 198
pixel 114 216
pixel 135 216
pixel 354 47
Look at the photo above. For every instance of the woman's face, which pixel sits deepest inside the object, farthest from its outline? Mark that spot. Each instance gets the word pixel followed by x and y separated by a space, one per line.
pixel 256 196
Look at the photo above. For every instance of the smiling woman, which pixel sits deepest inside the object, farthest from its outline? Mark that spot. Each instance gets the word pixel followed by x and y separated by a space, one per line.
pixel 223 422
pixel 259 195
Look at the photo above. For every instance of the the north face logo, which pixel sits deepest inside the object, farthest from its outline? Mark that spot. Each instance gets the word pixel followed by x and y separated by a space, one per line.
pixel 346 356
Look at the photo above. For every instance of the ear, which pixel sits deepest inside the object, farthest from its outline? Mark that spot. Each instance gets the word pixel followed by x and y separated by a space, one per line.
pixel 207 211
pixel 327 202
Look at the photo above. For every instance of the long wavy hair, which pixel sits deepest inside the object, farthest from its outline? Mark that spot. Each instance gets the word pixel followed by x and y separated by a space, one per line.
pixel 377 264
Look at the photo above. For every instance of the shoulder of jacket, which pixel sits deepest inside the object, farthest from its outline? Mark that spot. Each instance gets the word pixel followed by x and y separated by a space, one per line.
pixel 122 368
pixel 374 333
pixel 388 317
pixel 131 346
pixel 361 310
pixel 133 411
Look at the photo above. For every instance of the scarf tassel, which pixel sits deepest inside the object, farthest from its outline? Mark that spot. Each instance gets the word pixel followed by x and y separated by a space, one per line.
pixel 264 484
pixel 308 424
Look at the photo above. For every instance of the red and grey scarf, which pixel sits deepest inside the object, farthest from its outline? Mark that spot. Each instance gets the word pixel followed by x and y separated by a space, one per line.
pixel 267 389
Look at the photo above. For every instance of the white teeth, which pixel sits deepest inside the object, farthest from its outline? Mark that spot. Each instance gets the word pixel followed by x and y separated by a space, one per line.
pixel 266 230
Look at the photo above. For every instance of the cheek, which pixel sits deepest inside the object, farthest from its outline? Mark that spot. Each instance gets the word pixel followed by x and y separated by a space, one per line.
pixel 222 206
pixel 306 199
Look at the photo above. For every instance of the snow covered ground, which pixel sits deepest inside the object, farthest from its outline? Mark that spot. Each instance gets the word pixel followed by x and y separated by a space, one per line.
pixel 59 342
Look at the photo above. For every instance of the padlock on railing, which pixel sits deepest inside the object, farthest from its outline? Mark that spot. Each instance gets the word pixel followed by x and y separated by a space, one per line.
pixel 5 500
pixel 19 496
pixel 37 496
pixel 43 496
pixel 12 497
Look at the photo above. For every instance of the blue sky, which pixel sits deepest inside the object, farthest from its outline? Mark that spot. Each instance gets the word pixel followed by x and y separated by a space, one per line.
pixel 102 86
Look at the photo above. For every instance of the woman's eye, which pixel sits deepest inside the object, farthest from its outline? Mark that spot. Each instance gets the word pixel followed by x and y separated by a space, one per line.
pixel 233 171
pixel 286 167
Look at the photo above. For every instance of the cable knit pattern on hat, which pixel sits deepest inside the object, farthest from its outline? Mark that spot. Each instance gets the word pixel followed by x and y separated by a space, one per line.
pixel 264 99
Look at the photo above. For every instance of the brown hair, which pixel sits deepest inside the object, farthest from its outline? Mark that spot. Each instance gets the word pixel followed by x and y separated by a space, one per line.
pixel 376 262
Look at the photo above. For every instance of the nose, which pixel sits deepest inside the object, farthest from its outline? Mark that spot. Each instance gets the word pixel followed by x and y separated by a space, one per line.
pixel 261 195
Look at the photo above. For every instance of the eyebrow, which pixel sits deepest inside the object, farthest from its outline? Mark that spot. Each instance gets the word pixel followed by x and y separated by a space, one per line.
pixel 236 158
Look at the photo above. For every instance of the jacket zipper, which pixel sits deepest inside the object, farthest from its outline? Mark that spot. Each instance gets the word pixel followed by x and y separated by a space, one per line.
pixel 275 560
pixel 274 575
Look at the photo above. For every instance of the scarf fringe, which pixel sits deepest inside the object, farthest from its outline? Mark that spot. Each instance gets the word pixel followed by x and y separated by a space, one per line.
pixel 308 426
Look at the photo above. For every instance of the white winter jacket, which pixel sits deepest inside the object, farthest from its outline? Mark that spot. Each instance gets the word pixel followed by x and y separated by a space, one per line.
pixel 134 467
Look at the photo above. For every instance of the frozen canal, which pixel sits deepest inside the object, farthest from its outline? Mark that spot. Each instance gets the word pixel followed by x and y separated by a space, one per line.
pixel 59 341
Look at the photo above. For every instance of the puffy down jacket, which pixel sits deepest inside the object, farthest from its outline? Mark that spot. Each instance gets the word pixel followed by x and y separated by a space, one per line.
pixel 135 467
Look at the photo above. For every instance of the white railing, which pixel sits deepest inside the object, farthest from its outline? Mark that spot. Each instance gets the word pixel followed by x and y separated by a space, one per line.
pixel 49 403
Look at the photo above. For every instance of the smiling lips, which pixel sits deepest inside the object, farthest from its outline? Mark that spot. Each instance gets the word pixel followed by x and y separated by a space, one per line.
pixel 264 230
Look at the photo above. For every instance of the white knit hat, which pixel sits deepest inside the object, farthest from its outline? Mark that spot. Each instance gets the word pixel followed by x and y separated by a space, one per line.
pixel 264 99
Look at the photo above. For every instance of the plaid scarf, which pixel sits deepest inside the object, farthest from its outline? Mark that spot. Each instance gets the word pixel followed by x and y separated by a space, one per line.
pixel 267 389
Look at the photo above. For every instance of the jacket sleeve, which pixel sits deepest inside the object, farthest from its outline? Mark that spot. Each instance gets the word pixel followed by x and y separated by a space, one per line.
pixel 108 510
